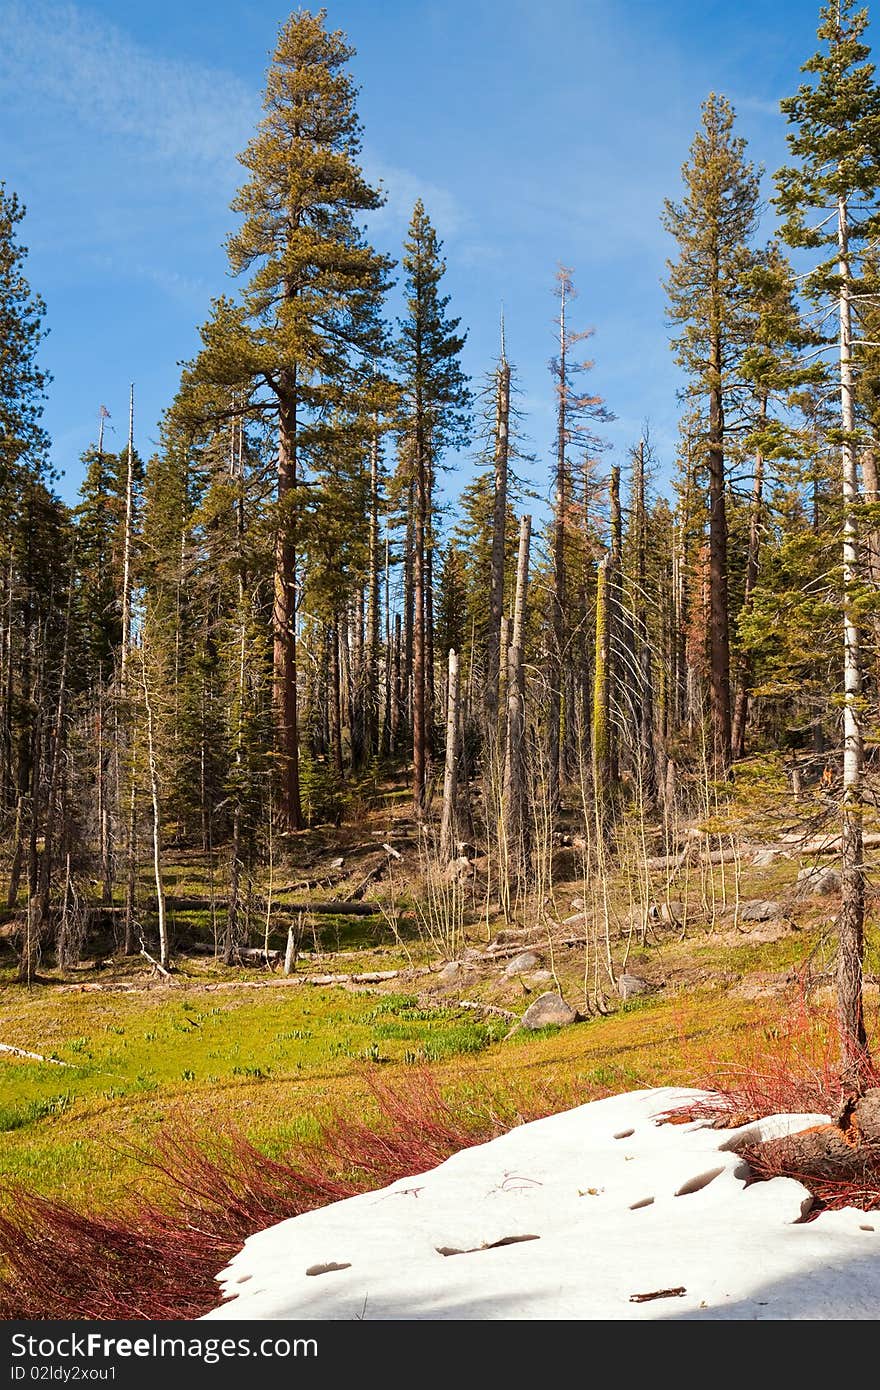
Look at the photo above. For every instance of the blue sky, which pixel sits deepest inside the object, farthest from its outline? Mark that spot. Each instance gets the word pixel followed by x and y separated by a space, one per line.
pixel 535 135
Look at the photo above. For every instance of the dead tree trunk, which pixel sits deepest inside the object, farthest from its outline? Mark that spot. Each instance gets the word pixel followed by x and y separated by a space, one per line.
pixel 450 775
pixel 851 920
pixel 741 696
pixel 284 611
pixel 157 819
pixel 513 838
pixel 499 523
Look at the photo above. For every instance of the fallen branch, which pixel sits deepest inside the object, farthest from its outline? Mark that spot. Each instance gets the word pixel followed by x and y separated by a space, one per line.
pixel 487 1009
pixel 166 974
pixel 33 1056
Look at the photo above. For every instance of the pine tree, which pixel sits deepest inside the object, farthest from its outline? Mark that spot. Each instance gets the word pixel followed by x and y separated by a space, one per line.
pixel 712 225
pixel 309 311
pixel 829 202
pixel 576 412
pixel 773 369
pixel 23 441
pixel 435 409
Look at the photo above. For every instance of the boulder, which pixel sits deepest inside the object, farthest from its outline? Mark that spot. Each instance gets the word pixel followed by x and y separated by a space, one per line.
pixel 672 913
pixel 539 977
pixel 509 936
pixel 763 858
pixel 548 1011
pixel 526 960
pixel 453 971
pixel 760 911
pixel 818 880
pixel 628 986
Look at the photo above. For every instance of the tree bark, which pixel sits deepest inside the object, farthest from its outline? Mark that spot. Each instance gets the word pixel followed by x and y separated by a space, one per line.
pixel 719 619
pixel 741 698
pixel 850 922
pixel 601 740
pixel 284 613
pixel 450 775
pixel 499 524
pixel 558 598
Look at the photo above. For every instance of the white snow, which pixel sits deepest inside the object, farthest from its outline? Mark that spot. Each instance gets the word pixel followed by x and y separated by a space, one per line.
pixel 568 1218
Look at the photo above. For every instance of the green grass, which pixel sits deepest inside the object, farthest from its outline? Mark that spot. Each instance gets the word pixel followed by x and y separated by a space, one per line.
pixel 133 1059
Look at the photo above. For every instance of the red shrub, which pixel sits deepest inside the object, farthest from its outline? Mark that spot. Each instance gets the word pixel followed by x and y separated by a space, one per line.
pixel 159 1260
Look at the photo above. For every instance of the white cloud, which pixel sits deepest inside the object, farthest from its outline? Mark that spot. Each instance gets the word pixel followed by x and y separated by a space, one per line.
pixel 60 59
pixel 402 190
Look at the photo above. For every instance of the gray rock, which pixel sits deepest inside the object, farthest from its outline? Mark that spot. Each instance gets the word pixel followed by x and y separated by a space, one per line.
pixel 628 986
pixel 818 880
pixel 763 858
pixel 472 956
pixel 508 936
pixel 454 971
pixel 539 977
pixel 548 1011
pixel 526 960
pixel 760 911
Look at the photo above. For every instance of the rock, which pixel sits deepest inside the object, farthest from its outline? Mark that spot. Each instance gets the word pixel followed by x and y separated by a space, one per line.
pixel 471 956
pixel 763 858
pixel 508 936
pixel 548 1011
pixel 760 911
pixel 526 960
pixel 818 880
pixel 628 986
pixel 539 977
pixel 454 971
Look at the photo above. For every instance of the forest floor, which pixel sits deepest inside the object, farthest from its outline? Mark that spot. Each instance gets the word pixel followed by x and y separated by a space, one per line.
pixel 131 1056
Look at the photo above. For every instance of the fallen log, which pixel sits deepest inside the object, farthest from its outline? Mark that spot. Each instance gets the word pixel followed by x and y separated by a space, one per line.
pixel 336 909
pixel 32 1056
pixel 491 1009
pixel 828 844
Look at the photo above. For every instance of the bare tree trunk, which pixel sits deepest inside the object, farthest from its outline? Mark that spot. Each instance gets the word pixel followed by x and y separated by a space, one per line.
pixel 127 547
pixel 741 697
pixel 131 850
pixel 157 820
pixel 615 635
pixel 871 485
pixel 335 702
pixel 419 701
pixel 397 688
pixel 554 709
pixel 387 743
pixel 601 740
pixel 499 524
pixel 371 682
pixel 850 922
pixel 719 618
pixel 450 775
pixel 646 677
pixel 513 848
pixel 284 612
